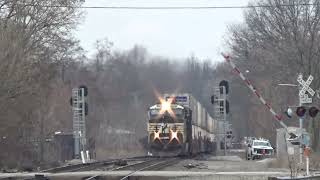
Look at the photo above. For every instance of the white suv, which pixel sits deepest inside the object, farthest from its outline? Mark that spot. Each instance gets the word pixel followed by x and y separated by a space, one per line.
pixel 258 148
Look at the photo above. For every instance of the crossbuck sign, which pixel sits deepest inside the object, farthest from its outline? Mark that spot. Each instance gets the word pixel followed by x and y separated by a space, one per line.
pixel 305 88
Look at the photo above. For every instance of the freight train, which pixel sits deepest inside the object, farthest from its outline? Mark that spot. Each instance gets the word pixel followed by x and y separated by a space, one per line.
pixel 180 125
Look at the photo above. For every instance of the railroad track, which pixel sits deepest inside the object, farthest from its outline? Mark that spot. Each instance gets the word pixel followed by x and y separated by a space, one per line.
pixel 79 167
pixel 133 164
pixel 146 165
pixel 153 165
pixel 90 166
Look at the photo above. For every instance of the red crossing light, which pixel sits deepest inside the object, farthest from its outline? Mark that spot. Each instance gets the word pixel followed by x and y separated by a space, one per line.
pixel 313 111
pixel 301 111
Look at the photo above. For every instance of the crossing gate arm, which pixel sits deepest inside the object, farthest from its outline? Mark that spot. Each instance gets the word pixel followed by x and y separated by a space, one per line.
pixel 278 117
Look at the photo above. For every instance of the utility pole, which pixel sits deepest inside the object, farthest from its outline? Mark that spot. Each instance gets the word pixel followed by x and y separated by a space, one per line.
pixel 300 127
pixel 41 136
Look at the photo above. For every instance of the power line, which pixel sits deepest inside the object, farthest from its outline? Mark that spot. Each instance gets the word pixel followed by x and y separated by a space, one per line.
pixel 170 7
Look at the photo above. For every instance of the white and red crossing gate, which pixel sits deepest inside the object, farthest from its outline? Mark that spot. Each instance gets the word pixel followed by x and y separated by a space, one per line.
pixel 254 91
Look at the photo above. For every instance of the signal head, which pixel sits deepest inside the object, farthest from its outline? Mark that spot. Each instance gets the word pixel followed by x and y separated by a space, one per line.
pixel 85 90
pixel 301 111
pixel 226 85
pixel 212 99
pixel 313 111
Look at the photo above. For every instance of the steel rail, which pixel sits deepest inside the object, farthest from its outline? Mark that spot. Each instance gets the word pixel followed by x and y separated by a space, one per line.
pixel 120 168
pixel 154 166
pixel 78 167
pixel 88 166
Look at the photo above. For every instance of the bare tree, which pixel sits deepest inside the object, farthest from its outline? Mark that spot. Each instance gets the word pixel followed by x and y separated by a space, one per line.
pixel 35 38
pixel 277 40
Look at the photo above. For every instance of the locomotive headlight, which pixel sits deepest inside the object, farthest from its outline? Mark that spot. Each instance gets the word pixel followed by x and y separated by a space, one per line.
pixel 156 135
pixel 174 135
pixel 165 106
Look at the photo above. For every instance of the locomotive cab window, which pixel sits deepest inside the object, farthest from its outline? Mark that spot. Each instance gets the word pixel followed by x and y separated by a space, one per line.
pixel 174 114
pixel 154 112
pixel 179 113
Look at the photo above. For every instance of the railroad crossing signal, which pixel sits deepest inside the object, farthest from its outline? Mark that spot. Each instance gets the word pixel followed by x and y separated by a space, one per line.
pixel 313 111
pixel 305 88
pixel 301 111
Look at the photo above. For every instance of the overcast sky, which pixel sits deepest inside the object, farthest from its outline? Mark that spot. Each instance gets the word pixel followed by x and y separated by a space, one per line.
pixel 170 33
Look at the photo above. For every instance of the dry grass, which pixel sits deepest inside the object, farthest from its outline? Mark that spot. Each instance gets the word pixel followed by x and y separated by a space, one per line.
pixel 107 153
pixel 315 161
pixel 279 163
pixel 284 163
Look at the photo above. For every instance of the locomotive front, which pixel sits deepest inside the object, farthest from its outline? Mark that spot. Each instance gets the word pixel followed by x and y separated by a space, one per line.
pixel 166 126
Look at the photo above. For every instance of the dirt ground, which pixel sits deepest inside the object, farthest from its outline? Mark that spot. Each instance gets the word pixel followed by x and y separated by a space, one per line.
pixel 235 161
pixel 225 164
